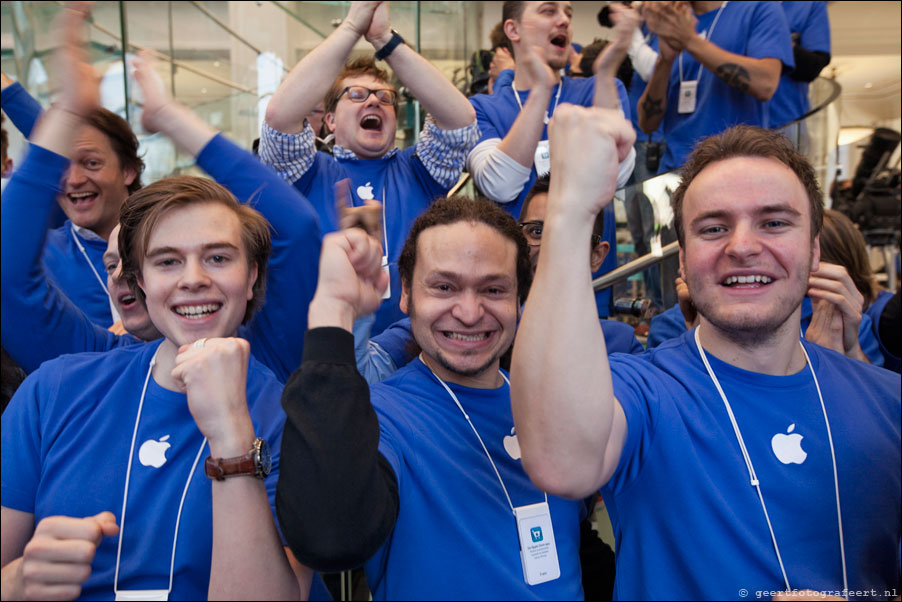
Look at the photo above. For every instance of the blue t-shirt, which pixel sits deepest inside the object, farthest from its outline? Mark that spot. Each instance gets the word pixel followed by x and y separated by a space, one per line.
pixel 752 29
pixel 496 114
pixel 874 313
pixel 400 179
pixel 808 20
pixel 670 324
pixel 688 524
pixel 66 437
pixel 455 537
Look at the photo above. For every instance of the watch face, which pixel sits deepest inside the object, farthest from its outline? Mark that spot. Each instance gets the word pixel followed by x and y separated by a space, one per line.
pixel 265 459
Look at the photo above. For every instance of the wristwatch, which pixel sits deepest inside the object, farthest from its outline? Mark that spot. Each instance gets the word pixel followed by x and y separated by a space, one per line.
pixel 393 43
pixel 255 463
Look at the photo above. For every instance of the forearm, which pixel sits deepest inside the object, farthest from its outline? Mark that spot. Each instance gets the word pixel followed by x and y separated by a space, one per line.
pixel 653 104
pixel 559 368
pixel 309 80
pixel 331 440
pixel 21 108
pixel 449 108
pixel 520 142
pixel 606 91
pixel 757 77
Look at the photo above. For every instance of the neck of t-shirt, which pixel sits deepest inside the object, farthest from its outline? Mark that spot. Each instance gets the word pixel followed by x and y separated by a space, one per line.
pixel 778 354
pixel 523 81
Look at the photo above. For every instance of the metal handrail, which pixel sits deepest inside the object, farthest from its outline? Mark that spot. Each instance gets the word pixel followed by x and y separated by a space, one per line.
pixel 620 274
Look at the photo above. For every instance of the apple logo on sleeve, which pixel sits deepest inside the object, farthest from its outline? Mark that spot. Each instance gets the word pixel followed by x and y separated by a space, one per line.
pixel 788 447
pixel 153 452
pixel 365 192
pixel 512 445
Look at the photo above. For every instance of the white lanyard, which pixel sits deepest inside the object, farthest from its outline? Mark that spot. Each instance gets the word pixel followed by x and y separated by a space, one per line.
pixel 81 248
pixel 557 98
pixel 753 477
pixel 470 422
pixel 149 594
pixel 708 36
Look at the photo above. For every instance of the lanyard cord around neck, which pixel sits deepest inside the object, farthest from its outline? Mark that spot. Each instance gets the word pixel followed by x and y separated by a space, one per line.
pixel 753 477
pixel 557 98
pixel 470 422
pixel 128 472
pixel 708 37
pixel 88 259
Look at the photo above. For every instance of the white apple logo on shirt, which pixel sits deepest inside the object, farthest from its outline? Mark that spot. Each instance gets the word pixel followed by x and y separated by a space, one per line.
pixel 788 448
pixel 365 192
pixel 512 445
pixel 153 452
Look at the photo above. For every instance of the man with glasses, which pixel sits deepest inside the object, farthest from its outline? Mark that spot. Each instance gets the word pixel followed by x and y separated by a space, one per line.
pixel 361 109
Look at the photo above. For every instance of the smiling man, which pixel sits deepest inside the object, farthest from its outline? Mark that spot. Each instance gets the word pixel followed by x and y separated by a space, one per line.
pixel 431 452
pixel 361 109
pixel 737 436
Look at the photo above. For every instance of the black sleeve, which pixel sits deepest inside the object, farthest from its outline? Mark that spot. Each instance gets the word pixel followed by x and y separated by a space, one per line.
pixel 809 64
pixel 337 497
pixel 889 326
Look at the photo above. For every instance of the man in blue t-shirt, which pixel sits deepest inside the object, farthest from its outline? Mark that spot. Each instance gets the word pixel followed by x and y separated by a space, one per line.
pixel 361 109
pixel 431 452
pixel 718 64
pixel 513 145
pixel 737 437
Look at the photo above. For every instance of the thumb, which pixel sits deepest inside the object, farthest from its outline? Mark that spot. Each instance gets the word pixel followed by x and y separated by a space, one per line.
pixel 107 522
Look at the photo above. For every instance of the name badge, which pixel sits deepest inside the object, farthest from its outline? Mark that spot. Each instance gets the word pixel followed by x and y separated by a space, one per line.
pixel 387 293
pixel 538 552
pixel 688 96
pixel 130 595
pixel 542 159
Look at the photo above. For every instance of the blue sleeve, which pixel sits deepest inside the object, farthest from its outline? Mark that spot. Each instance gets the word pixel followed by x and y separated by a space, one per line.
pixel 276 332
pixel 869 343
pixel 769 36
pixel 21 451
pixel 21 108
pixel 39 322
pixel 666 326
pixel 815 33
pixel 373 362
pixel 395 341
pixel 487 129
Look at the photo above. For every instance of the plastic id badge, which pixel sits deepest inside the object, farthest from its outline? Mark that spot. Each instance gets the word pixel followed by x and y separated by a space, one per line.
pixel 542 159
pixel 538 551
pixel 142 594
pixel 688 96
pixel 387 293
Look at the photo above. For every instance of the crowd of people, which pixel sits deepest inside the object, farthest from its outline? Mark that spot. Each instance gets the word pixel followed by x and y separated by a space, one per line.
pixel 323 362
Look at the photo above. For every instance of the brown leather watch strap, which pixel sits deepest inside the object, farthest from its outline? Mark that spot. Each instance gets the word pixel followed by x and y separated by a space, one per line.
pixel 221 468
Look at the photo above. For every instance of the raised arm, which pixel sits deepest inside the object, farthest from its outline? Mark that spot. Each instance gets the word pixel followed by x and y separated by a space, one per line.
pixel 653 104
pixel 23 110
pixel 570 426
pixel 331 437
pixel 626 23
pixel 449 108
pixel 309 80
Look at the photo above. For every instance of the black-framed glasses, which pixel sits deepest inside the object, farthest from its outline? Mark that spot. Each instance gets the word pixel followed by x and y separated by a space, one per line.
pixel 532 230
pixel 385 96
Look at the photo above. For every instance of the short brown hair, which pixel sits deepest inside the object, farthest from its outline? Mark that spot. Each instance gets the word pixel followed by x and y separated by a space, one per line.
pixel 498 39
pixel 460 208
pixel 122 140
pixel 843 244
pixel 365 65
pixel 748 141
pixel 144 209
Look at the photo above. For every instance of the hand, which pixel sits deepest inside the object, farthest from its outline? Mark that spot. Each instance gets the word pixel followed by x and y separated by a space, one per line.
pixel 351 279
pixel 587 179
pixel 5 81
pixel 78 81
pixel 537 69
pixel 834 294
pixel 368 217
pixel 667 52
pixel 673 22
pixel 57 559
pixel 687 307
pixel 379 32
pixel 625 21
pixel 360 16
pixel 214 376
pixel 501 60
pixel 156 97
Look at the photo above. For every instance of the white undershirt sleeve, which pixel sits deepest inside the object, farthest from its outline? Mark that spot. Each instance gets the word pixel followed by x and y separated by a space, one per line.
pixel 497 175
